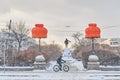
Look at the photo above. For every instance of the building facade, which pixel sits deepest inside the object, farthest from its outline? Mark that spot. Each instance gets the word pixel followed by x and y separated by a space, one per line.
pixel 112 42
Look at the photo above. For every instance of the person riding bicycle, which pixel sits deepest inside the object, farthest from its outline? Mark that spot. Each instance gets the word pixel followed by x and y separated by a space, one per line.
pixel 59 61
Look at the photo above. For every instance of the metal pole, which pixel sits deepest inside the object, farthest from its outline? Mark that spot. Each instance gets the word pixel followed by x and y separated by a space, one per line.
pixel 93 46
pixel 9 38
pixel 10 25
pixel 4 57
pixel 39 46
pixel 4 61
pixel 3 51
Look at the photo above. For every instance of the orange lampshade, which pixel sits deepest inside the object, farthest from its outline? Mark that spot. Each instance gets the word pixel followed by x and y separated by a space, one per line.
pixel 39 31
pixel 92 31
pixel 39 25
pixel 34 32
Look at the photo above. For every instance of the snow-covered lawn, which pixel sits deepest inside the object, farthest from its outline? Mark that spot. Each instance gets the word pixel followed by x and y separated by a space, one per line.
pixel 76 73
pixel 72 75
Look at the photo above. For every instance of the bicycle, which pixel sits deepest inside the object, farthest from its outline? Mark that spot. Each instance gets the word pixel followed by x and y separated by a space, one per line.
pixel 65 67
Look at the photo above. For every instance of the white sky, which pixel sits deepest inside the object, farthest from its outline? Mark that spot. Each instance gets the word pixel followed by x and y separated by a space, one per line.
pixel 57 14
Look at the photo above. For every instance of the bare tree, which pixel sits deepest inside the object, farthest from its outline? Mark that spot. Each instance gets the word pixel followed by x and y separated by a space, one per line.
pixel 80 40
pixel 52 51
pixel 77 37
pixel 15 33
pixel 20 33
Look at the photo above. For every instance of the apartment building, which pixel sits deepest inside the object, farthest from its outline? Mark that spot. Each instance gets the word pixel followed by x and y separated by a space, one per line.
pixel 112 42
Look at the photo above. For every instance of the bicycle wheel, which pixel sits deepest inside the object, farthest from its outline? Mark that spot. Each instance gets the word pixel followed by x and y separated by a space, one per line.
pixel 56 68
pixel 66 68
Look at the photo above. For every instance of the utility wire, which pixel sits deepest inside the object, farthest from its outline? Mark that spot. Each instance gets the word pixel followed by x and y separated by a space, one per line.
pixel 108 27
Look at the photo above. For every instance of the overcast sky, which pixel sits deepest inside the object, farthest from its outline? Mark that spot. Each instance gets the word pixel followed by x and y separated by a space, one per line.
pixel 57 14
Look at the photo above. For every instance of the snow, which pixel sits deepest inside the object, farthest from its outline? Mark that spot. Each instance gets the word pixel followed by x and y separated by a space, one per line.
pixel 49 74
pixel 78 64
pixel 67 53
pixel 110 66
pixel 73 64
pixel 79 75
pixel 39 58
pixel 50 65
pixel 16 67
pixel 93 58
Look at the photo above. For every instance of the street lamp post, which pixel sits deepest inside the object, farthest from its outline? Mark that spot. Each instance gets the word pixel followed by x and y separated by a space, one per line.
pixel 39 31
pixel 39 45
pixel 3 50
pixel 93 46
pixel 93 32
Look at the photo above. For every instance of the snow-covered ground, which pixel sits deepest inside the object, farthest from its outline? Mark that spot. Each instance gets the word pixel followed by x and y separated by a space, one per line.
pixel 47 75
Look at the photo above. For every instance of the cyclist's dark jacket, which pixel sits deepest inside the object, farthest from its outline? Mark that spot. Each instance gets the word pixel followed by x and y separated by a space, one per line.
pixel 59 60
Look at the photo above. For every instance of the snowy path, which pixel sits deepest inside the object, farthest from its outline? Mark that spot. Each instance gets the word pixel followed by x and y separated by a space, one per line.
pixel 81 75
